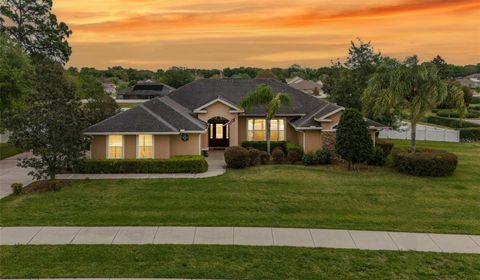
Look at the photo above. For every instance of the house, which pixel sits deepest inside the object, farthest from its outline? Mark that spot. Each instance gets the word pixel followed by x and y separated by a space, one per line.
pixel 205 114
pixel 109 87
pixel 471 81
pixel 307 86
pixel 145 90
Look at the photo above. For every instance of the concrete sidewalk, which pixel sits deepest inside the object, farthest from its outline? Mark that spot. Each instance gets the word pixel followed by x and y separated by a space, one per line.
pixel 254 236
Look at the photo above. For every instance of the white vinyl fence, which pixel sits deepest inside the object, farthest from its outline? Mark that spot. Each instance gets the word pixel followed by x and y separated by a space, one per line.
pixel 424 132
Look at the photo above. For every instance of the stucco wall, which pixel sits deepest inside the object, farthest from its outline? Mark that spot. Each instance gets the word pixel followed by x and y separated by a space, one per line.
pixel 98 147
pixel 130 146
pixel 335 118
pixel 162 146
pixel 219 109
pixel 180 148
pixel 242 129
pixel 292 134
pixel 313 140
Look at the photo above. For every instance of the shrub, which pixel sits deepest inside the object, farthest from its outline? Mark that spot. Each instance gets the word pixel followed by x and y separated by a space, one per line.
pixel 179 164
pixel 378 157
pixel 278 155
pixel 289 146
pixel 264 157
pixel 470 134
pixel 475 100
pixel 262 145
pixel 310 158
pixel 254 156
pixel 353 140
pixel 425 162
pixel 293 156
pixel 17 188
pixel 323 156
pixel 452 113
pixel 55 185
pixel 237 157
pixel 453 123
pixel 386 147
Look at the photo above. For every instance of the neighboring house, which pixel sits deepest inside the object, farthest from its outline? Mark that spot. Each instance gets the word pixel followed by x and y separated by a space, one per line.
pixel 307 86
pixel 204 114
pixel 145 90
pixel 471 81
pixel 109 87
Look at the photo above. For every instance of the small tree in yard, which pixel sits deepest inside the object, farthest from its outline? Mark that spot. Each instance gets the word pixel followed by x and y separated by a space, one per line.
pixel 410 87
pixel 99 109
pixel 353 142
pixel 264 96
pixel 51 124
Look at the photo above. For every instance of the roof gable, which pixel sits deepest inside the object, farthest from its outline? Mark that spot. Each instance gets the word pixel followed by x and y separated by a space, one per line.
pixel 200 92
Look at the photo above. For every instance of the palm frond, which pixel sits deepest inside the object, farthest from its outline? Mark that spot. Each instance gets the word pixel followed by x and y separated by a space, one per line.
pixel 262 95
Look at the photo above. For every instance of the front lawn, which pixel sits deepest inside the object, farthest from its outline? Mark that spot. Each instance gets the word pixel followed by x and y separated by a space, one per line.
pixel 275 195
pixel 230 262
pixel 7 150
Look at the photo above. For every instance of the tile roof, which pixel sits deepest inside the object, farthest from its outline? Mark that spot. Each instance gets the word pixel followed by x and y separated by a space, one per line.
pixel 200 92
pixel 174 112
pixel 158 115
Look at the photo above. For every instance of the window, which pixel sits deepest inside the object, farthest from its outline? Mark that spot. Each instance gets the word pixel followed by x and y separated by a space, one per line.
pixel 218 131
pixel 115 146
pixel 256 130
pixel 145 146
pixel 211 131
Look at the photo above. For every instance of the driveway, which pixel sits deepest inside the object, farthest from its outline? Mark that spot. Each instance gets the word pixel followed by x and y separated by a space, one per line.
pixel 11 173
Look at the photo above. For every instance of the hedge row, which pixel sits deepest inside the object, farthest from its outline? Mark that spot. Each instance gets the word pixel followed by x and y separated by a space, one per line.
pixel 452 113
pixel 178 164
pixel 262 145
pixel 425 162
pixel 475 100
pixel 471 134
pixel 453 123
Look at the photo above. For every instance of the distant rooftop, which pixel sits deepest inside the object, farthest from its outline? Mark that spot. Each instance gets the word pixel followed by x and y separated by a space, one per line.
pixel 145 90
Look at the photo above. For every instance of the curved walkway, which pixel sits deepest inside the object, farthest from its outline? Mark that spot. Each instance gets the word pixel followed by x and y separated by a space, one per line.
pixel 254 236
pixel 11 173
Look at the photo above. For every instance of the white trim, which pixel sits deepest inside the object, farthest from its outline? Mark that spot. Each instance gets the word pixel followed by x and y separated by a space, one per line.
pixel 137 147
pixel 303 132
pixel 277 115
pixel 199 144
pixel 322 120
pixel 152 133
pixel 331 113
pixel 201 110
pixel 300 128
pixel 108 147
pixel 285 122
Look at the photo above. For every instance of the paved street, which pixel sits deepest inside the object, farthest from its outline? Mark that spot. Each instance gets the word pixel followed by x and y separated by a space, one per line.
pixel 254 236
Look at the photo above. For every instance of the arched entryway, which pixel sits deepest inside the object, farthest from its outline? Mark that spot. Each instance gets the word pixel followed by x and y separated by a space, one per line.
pixel 218 133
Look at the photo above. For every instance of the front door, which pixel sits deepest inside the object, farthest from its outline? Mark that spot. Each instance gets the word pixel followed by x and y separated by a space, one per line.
pixel 218 134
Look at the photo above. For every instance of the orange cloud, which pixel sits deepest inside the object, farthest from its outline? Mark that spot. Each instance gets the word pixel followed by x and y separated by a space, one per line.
pixel 152 34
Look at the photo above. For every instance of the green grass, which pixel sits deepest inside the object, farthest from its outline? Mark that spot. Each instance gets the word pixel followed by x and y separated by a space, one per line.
pixel 230 262
pixel 7 150
pixel 275 195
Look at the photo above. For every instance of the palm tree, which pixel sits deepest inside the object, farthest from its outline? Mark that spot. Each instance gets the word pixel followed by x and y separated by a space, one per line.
pixel 264 96
pixel 410 87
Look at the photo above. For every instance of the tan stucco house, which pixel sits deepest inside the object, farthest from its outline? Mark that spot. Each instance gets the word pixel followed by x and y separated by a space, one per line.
pixel 205 114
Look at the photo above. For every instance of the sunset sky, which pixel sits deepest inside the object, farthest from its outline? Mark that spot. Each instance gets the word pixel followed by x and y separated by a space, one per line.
pixel 152 34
